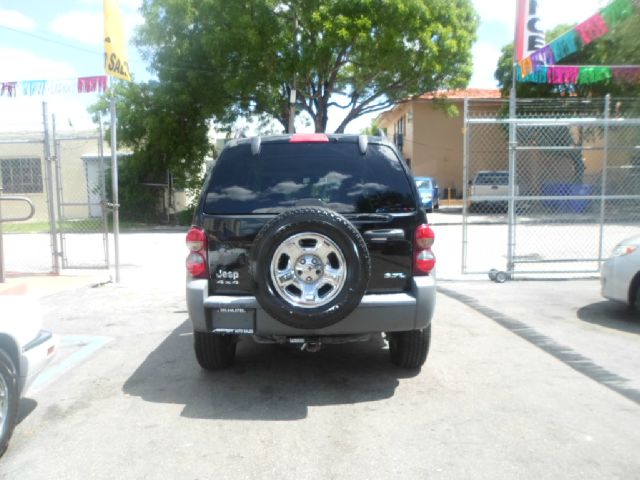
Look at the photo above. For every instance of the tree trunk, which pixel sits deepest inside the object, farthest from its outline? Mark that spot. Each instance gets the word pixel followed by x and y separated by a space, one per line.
pixel 345 122
pixel 321 116
pixel 320 121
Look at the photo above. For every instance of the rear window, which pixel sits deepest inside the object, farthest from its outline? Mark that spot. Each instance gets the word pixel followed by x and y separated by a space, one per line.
pixel 492 178
pixel 285 175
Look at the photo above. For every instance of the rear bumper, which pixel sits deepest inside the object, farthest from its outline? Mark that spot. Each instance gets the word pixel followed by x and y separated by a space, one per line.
pixel 392 312
pixel 35 356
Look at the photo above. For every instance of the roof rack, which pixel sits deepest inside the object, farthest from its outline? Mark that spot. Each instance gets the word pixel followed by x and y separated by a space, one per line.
pixel 363 143
pixel 255 145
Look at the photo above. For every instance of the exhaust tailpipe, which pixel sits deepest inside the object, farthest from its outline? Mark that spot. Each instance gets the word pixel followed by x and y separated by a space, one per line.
pixel 311 346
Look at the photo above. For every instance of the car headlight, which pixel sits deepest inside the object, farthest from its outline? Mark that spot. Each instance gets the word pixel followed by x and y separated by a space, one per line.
pixel 624 249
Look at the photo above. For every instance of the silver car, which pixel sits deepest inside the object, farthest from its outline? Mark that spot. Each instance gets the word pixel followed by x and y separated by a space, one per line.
pixel 25 350
pixel 620 276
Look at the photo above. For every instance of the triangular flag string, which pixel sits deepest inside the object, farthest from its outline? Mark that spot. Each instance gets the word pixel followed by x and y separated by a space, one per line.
pixel 583 74
pixel 66 86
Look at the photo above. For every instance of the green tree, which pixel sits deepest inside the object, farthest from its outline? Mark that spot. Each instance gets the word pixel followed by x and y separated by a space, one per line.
pixel 373 129
pixel 245 57
pixel 164 132
pixel 218 60
pixel 166 136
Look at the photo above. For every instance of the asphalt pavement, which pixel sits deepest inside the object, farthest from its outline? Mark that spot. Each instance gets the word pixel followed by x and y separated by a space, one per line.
pixel 526 379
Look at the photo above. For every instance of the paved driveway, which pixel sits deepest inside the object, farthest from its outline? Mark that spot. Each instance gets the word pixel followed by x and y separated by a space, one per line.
pixel 524 380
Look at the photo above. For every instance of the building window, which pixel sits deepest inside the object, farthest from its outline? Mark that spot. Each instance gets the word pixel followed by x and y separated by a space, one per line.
pixel 21 175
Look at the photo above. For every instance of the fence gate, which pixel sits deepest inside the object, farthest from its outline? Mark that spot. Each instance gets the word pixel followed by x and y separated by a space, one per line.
pixel 552 190
pixel 81 202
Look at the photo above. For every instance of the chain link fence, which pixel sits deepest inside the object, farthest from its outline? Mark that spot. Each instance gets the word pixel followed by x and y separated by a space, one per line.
pixel 554 189
pixel 27 246
pixel 81 201
pixel 64 178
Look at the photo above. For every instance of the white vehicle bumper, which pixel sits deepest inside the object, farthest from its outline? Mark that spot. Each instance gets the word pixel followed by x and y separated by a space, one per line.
pixel 35 356
pixel 615 279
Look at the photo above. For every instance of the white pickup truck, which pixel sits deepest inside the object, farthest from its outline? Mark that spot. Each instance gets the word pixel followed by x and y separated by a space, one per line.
pixel 486 185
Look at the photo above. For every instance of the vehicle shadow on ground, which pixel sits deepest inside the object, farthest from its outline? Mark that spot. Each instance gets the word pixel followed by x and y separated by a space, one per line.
pixel 611 315
pixel 267 382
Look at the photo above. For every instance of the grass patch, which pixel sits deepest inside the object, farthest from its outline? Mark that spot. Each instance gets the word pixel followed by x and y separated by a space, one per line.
pixel 87 225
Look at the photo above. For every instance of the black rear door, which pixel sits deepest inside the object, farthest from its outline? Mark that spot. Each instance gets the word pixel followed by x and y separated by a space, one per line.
pixel 374 191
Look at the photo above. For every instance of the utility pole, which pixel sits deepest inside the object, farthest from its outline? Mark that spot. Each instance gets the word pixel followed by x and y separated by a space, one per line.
pixel 513 143
pixel 292 107
pixel 48 159
pixel 114 187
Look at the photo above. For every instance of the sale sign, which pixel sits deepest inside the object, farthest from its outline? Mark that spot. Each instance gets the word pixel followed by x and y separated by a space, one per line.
pixel 529 35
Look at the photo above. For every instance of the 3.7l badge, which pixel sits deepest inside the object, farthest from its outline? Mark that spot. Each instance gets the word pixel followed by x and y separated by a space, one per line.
pixel 394 275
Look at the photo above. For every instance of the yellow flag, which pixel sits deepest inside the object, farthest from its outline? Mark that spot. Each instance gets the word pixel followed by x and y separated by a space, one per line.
pixel 115 46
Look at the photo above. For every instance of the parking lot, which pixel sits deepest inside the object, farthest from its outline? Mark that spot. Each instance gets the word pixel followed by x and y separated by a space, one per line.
pixel 527 379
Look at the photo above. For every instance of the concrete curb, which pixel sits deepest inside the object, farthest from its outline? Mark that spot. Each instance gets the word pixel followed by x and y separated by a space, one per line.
pixel 42 285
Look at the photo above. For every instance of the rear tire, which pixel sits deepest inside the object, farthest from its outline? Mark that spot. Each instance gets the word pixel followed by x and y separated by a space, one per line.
pixel 9 398
pixel 214 351
pixel 409 349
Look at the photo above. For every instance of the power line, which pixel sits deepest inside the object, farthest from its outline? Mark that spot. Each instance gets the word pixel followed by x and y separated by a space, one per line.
pixel 49 40
pixel 178 66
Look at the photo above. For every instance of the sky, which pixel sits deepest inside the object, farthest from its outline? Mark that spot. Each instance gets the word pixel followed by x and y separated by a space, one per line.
pixel 59 39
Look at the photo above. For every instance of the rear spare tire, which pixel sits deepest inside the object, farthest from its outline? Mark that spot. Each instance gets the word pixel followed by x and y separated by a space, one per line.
pixel 310 267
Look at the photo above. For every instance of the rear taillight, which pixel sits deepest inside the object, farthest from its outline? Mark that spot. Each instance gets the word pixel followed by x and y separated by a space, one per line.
pixel 196 239
pixel 424 259
pixel 197 259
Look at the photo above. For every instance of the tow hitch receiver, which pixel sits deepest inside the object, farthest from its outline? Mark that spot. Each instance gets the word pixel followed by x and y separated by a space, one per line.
pixel 311 345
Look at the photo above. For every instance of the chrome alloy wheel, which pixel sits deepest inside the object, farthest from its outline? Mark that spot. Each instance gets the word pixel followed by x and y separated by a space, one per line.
pixel 308 270
pixel 4 403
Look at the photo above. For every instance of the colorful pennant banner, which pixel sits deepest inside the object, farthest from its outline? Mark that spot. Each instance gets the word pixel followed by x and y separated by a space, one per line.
pixel 582 75
pixel 29 88
pixel 540 66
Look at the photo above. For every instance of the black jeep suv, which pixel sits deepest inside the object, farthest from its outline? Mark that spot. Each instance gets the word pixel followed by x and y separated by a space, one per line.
pixel 310 239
